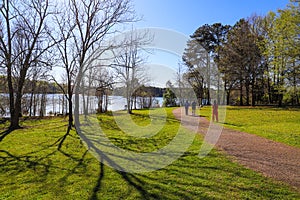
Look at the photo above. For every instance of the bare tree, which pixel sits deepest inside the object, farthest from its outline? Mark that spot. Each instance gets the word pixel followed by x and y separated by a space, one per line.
pixel 104 82
pixel 67 56
pixel 32 86
pixel 94 20
pixel 198 62
pixel 129 64
pixel 82 33
pixel 24 41
pixel 181 83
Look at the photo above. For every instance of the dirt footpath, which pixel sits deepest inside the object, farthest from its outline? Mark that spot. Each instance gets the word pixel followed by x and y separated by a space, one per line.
pixel 273 159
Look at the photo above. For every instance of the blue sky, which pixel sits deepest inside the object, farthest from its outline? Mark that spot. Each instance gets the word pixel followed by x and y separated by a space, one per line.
pixel 185 16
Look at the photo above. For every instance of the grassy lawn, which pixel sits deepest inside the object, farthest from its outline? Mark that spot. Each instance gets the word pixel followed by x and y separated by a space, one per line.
pixel 31 167
pixel 278 124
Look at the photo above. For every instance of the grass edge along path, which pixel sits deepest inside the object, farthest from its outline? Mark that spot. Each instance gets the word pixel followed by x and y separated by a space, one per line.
pixel 273 159
pixel 32 168
pixel 277 124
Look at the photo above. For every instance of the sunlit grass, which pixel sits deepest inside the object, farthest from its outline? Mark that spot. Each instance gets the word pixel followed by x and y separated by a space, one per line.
pixel 278 124
pixel 31 167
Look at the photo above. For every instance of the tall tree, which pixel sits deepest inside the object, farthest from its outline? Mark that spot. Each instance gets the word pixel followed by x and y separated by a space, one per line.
pixel 94 20
pixel 240 58
pixel 129 62
pixel 202 49
pixel 24 40
pixel 34 75
pixel 67 56
pixel 211 38
pixel 181 83
pixel 82 33
pixel 104 81
pixel 281 49
pixel 198 62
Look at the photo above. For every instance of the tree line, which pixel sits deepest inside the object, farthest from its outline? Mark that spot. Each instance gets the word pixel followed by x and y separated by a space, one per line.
pixel 38 36
pixel 39 86
pixel 255 61
pixel 257 58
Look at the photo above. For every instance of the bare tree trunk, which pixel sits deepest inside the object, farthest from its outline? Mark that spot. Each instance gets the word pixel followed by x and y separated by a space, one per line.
pixel 76 108
pixel 106 102
pixel 135 96
pixel 15 107
pixel 228 97
pixel 17 112
pixel 208 80
pixel 14 124
pixel 128 99
pixel 241 94
pixel 35 99
pixel 247 94
pixel 33 86
pixel 150 102
pixel 21 35
pixel 70 114
pixel 43 105
pixel 100 102
pixel 62 104
pixel 70 105
pixel 253 96
pixel 270 94
pixel 253 91
pixel 30 104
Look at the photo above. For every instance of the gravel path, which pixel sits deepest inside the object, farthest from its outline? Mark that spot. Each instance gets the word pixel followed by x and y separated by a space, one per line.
pixel 276 160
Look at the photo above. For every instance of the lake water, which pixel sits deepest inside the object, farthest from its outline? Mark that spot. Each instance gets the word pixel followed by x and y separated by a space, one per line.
pixel 56 103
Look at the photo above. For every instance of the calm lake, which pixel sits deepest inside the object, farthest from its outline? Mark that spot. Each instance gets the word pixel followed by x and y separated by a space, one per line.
pixel 56 103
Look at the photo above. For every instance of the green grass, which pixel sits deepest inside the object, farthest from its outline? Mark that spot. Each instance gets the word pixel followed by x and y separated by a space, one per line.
pixel 31 167
pixel 278 124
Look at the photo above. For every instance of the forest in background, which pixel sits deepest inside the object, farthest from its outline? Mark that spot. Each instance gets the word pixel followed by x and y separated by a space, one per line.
pixel 255 61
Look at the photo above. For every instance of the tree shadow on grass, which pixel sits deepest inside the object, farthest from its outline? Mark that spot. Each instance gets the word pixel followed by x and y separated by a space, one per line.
pixel 40 161
pixel 4 134
pixel 131 179
pixel 38 167
pixel 97 187
pixel 166 183
pixel 22 163
pixel 188 178
pixel 62 139
pixel 139 185
pixel 154 185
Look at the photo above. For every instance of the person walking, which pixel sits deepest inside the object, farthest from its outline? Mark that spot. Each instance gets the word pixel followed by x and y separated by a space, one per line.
pixel 186 105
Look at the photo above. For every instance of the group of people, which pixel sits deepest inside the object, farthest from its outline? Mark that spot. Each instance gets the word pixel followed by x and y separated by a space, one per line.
pixel 214 107
pixel 187 105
